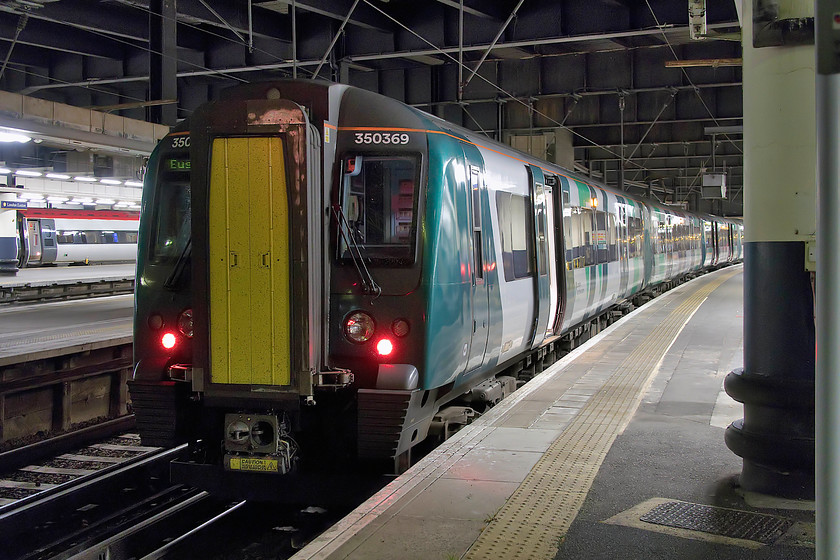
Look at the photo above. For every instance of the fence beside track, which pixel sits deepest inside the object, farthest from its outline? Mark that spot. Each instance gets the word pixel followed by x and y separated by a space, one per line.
pixel 52 391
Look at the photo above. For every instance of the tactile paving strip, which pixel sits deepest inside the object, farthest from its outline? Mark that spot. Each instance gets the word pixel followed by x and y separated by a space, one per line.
pixel 535 518
pixel 719 521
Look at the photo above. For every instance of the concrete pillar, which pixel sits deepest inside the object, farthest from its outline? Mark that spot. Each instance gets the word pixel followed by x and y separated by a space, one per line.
pixel 564 151
pixel 776 436
pixel 8 233
pixel 828 268
pixel 163 61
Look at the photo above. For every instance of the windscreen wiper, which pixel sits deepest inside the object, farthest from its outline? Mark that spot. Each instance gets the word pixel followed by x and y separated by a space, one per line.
pixel 368 283
pixel 174 278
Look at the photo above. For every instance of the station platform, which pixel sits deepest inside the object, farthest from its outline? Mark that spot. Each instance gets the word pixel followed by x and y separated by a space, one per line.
pixel 614 452
pixel 39 284
pixel 47 275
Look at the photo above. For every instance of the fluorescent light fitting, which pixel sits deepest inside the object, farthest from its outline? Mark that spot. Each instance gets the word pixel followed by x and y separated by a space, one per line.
pixel 104 201
pixel 133 184
pixel 72 202
pixel 14 137
pixel 56 199
pixel 83 200
pixel 110 181
pixel 4 171
pixel 85 179
pixel 57 176
pixel 27 173
pixel 32 196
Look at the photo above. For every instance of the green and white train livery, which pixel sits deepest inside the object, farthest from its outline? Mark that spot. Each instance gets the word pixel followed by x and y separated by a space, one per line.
pixel 323 271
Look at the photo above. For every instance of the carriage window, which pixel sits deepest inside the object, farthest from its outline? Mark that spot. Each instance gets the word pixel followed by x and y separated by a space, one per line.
pixel 516 228
pixel 600 237
pixel 379 206
pixel 475 187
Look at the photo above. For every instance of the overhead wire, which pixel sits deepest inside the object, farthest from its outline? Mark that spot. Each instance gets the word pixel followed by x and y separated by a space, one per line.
pixel 497 87
pixel 486 80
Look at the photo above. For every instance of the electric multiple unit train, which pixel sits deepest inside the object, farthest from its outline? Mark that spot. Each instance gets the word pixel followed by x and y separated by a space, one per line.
pixel 322 271
pixel 50 236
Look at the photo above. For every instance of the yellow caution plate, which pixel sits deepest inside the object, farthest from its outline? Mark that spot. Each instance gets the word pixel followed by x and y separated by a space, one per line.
pixel 252 464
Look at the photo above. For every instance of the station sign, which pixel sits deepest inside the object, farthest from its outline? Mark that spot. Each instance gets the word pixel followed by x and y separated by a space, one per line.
pixel 16 204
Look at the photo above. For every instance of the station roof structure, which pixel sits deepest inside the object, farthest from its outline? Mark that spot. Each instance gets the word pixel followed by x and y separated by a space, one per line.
pixel 655 84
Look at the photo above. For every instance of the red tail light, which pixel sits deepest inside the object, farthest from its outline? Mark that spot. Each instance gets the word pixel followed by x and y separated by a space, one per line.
pixel 384 347
pixel 168 341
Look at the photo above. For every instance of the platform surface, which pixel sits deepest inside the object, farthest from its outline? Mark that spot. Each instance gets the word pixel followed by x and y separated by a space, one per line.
pixel 628 426
pixel 48 275
pixel 38 331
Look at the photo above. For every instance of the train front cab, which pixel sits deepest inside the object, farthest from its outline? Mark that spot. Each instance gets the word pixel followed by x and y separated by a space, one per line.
pixel 228 297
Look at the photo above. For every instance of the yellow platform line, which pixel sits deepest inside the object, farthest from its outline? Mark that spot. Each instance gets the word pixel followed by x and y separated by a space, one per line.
pixel 533 521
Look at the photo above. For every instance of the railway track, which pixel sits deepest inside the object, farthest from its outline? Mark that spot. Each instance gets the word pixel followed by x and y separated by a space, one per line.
pixel 111 498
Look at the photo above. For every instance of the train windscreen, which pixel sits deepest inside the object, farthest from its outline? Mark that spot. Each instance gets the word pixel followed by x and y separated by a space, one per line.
pixel 171 228
pixel 379 206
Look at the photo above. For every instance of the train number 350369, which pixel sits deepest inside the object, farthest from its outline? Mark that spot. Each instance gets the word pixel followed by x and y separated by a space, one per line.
pixel 381 138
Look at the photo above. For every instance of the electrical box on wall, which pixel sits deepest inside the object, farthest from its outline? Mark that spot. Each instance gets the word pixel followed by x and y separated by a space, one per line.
pixel 714 185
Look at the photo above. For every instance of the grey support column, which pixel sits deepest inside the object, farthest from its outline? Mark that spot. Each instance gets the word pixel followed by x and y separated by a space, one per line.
pixel 828 267
pixel 776 436
pixel 163 61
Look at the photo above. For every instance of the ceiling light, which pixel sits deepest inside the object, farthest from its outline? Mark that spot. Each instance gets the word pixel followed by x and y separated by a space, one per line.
pixel 133 184
pixel 56 199
pixel 27 173
pixel 110 181
pixel 83 200
pixel 57 176
pixel 72 202
pixel 14 137
pixel 32 196
pixel 85 179
pixel 104 201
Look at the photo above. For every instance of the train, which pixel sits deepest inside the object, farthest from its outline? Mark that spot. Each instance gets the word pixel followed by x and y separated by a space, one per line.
pixel 47 236
pixel 330 277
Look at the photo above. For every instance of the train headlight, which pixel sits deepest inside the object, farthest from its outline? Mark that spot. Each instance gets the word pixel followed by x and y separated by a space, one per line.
pixel 358 327
pixel 185 323
pixel 168 341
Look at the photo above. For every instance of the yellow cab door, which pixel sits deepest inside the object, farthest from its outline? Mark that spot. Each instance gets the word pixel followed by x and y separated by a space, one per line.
pixel 249 254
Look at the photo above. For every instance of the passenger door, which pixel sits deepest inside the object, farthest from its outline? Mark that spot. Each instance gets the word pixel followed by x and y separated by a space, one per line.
pixel 480 306
pixel 542 295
